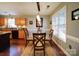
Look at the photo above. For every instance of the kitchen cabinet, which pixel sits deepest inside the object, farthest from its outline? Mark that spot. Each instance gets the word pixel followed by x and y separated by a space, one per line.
pixel 20 21
pixel 2 21
pixel 14 34
pixel 21 34
pixel 18 34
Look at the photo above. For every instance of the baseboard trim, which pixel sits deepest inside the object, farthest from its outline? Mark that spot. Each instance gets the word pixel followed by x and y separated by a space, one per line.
pixel 67 54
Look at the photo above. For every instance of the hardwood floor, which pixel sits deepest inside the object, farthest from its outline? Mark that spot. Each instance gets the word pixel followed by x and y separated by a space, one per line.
pixel 57 49
pixel 17 46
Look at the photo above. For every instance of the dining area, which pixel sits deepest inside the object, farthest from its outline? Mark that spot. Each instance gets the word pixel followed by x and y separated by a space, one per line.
pixel 39 39
pixel 32 39
pixel 40 45
pixel 36 41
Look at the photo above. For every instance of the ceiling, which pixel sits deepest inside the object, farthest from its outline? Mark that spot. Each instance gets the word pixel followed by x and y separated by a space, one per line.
pixel 26 8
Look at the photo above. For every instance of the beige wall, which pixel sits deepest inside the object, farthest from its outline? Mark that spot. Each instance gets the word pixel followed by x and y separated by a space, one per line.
pixel 72 29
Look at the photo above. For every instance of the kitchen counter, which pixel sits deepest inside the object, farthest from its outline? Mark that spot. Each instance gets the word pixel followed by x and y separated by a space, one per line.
pixel 1 33
pixel 12 28
pixel 19 34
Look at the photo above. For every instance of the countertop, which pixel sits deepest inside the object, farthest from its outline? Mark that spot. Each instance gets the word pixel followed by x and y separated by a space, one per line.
pixel 12 28
pixel 4 33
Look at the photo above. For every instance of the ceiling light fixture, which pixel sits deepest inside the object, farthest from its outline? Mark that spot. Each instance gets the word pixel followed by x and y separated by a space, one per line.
pixel 38 16
pixel 48 6
pixel 38 6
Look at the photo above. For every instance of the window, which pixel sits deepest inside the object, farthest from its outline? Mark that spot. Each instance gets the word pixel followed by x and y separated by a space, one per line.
pixel 59 24
pixel 11 23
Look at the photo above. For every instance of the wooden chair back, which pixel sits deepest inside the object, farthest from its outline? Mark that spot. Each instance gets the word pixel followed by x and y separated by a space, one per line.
pixel 39 38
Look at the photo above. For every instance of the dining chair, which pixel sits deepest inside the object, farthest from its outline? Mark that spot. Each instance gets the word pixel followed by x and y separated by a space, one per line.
pixel 39 42
pixel 26 35
pixel 50 35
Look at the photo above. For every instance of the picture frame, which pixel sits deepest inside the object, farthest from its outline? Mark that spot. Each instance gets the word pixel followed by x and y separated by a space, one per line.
pixel 39 24
pixel 30 22
pixel 75 14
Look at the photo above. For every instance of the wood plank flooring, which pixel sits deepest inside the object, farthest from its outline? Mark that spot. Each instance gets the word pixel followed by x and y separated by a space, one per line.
pixel 17 47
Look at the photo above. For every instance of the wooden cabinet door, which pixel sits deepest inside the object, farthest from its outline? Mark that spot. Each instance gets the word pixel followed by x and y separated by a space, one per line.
pixel 20 21
pixel 2 21
pixel 21 34
pixel 15 34
pixel 17 21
